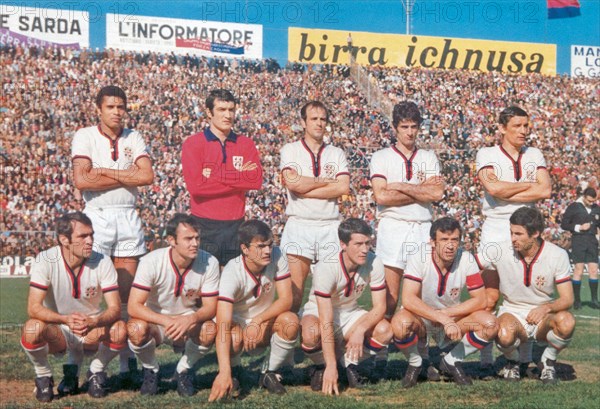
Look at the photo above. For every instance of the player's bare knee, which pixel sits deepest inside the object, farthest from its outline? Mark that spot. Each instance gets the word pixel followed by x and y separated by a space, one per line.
pixel 118 332
pixel 287 325
pixel 34 331
pixel 311 332
pixel 402 324
pixel 208 333
pixel 383 331
pixel 564 324
pixel 506 337
pixel 138 332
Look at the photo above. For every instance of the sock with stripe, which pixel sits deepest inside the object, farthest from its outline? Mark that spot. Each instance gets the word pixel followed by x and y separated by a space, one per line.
pixel 38 355
pixel 555 345
pixel 106 353
pixel 146 354
pixel 191 354
pixel 526 351
pixel 75 356
pixel 594 289
pixel 469 344
pixel 281 352
pixel 423 347
pixel 314 354
pixel 577 290
pixel 409 348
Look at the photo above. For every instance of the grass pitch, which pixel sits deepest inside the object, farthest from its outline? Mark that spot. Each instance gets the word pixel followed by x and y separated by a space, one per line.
pixel 578 368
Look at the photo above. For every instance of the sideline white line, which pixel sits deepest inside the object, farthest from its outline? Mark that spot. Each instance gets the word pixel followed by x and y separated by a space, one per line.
pixel 587 316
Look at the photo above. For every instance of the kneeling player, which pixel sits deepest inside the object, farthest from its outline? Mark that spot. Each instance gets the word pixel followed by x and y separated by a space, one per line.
pixel 248 316
pixel 67 285
pixel 333 324
pixel 163 304
pixel 529 269
pixel 433 282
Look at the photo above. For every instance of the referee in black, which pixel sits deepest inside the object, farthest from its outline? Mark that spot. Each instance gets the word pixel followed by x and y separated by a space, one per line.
pixel 582 219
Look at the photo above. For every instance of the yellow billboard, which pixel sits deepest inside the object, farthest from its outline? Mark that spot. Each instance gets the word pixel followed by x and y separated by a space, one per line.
pixel 395 50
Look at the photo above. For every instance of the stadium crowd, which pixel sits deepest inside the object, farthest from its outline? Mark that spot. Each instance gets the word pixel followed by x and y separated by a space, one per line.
pixel 47 94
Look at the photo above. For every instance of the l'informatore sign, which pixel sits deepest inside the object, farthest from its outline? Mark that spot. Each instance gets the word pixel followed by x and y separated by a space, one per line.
pixel 181 36
pixel 394 50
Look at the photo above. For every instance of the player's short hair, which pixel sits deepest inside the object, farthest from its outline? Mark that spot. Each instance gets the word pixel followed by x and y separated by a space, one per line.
pixel 508 113
pixel 64 224
pixel 445 225
pixel 218 94
pixel 353 226
pixel 589 192
pixel 251 229
pixel 181 218
pixel 406 111
pixel 530 218
pixel 110 91
pixel 313 104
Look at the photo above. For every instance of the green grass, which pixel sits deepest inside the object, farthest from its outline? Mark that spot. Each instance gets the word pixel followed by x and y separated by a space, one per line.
pixel 579 369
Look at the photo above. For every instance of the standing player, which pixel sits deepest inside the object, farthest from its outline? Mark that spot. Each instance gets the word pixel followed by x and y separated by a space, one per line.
pixel 529 270
pixel 109 163
pixel 405 180
pixel 249 316
pixel 512 175
pixel 68 284
pixel 582 219
pixel 219 167
pixel 334 327
pixel 431 306
pixel 315 175
pixel 162 304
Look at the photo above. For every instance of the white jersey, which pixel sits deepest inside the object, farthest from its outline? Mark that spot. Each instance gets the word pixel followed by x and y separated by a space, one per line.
pixel 174 292
pixel 528 286
pixel 332 280
pixel 439 290
pixel 330 162
pixel 250 294
pixel 393 166
pixel 524 169
pixel 67 293
pixel 91 143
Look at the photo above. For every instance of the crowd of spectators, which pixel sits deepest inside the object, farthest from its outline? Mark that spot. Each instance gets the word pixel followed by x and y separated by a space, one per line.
pixel 47 94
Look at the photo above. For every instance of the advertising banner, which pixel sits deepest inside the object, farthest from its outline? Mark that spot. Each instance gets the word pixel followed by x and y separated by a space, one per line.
pixel 29 26
pixel 585 61
pixel 15 266
pixel 395 50
pixel 166 35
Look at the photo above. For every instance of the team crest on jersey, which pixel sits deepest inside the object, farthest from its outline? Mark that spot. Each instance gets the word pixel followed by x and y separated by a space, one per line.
pixel 359 288
pixel 128 152
pixel 455 293
pixel 266 287
pixel 330 170
pixel 191 293
pixel 540 281
pixel 420 175
pixel 91 292
pixel 238 162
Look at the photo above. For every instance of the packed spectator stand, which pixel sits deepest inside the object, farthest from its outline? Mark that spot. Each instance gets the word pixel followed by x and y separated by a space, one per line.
pixel 47 94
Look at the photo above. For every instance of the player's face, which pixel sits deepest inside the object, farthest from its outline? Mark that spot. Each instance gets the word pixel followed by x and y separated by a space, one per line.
pixel 515 132
pixel 82 240
pixel 315 123
pixel 187 242
pixel 357 249
pixel 222 116
pixel 588 200
pixel 521 240
pixel 259 252
pixel 446 245
pixel 112 112
pixel 406 133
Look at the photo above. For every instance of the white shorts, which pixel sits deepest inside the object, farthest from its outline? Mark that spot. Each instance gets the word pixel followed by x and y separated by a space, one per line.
pixel 342 320
pixel 397 239
pixel 117 231
pixel 161 331
pixel 521 315
pixel 493 231
pixel 313 240
pixel 436 332
pixel 74 342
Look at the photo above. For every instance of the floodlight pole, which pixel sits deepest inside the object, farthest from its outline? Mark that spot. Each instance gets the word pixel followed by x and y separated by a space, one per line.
pixel 408 5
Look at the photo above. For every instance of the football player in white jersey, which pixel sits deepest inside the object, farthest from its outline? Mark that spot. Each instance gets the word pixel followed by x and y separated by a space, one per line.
pixel 405 180
pixel 512 175
pixel 109 163
pixel 315 175
pixel 249 317
pixel 334 327
pixel 529 270
pixel 68 284
pixel 168 285
pixel 431 306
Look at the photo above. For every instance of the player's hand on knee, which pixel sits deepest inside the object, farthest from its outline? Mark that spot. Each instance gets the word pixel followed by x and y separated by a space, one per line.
pixel 537 314
pixel 354 346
